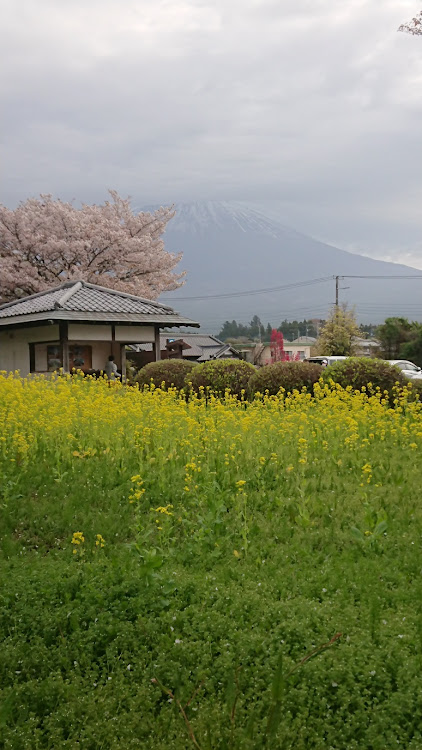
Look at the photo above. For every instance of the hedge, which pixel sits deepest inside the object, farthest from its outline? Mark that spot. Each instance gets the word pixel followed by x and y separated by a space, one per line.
pixel 359 372
pixel 171 372
pixel 221 374
pixel 287 375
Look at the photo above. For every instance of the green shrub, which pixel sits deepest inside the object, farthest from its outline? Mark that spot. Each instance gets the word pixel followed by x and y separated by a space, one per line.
pixel 220 374
pixel 171 372
pixel 416 390
pixel 358 372
pixel 287 375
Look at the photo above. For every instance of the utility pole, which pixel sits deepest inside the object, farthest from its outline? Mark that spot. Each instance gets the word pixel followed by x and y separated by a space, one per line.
pixel 337 278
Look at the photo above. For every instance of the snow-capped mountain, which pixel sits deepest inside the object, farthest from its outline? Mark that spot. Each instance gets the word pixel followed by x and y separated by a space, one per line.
pixel 229 248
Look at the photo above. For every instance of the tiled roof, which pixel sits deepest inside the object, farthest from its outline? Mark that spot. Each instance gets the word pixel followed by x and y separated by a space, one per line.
pixel 35 303
pixel 201 346
pixel 303 340
pixel 196 341
pixel 80 298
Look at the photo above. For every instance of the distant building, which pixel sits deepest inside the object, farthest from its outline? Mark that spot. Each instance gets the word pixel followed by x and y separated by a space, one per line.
pixel 303 340
pixel 367 347
pixel 260 354
pixel 195 347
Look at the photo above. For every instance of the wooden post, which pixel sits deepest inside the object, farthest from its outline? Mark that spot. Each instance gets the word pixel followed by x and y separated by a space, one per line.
pixel 31 357
pixel 123 361
pixel 64 343
pixel 157 344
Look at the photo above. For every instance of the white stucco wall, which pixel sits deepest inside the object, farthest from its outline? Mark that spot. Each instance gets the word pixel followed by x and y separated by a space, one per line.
pixel 124 334
pixel 135 334
pixel 82 332
pixel 14 349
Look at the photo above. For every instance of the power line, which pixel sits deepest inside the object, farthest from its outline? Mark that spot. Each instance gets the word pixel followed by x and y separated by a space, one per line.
pixel 380 277
pixel 285 287
pixel 230 295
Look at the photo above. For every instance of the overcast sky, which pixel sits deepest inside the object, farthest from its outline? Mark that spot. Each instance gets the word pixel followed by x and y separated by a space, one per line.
pixel 310 108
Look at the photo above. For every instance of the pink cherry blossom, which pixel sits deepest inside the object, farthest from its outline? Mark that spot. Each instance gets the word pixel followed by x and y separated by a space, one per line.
pixel 44 242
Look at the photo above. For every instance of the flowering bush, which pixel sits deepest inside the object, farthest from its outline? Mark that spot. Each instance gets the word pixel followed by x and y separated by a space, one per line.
pixel 171 372
pixel 286 375
pixel 222 374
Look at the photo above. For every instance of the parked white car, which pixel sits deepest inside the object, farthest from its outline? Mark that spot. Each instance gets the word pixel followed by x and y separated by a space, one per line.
pixel 324 361
pixel 409 370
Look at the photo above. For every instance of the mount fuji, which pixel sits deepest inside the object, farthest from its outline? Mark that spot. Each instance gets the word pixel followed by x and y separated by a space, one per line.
pixel 229 249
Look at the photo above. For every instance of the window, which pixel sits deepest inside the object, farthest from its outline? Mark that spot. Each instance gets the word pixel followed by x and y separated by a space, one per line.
pixel 49 357
pixel 409 366
pixel 54 357
pixel 80 357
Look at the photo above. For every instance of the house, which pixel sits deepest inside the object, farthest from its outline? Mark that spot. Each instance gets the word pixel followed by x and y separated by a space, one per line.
pixel 260 354
pixel 367 347
pixel 195 347
pixel 78 325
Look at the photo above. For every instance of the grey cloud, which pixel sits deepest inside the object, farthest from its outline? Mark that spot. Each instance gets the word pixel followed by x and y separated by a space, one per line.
pixel 310 107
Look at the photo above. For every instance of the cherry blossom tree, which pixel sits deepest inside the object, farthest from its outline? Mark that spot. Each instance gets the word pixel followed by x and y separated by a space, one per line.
pixel 44 242
pixel 414 26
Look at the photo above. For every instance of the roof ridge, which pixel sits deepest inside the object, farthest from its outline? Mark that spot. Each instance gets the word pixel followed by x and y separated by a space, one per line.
pixel 89 285
pixel 67 295
pixel 33 296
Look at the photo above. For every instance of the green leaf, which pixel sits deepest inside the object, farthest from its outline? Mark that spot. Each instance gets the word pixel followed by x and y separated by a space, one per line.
pixel 357 534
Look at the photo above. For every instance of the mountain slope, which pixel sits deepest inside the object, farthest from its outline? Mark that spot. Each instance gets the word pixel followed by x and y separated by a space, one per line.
pixel 228 248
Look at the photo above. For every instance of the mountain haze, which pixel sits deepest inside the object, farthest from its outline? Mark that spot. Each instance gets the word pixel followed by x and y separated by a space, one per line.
pixel 229 248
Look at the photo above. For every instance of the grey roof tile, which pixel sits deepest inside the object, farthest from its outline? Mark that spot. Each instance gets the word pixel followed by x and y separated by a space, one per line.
pixel 202 346
pixel 28 305
pixel 81 297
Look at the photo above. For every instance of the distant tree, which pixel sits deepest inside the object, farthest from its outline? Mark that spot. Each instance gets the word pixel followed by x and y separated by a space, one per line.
pixel 412 349
pixel 277 346
pixel 338 334
pixel 414 26
pixel 293 329
pixel 45 242
pixel 392 334
pixel 367 330
pixel 256 329
pixel 229 330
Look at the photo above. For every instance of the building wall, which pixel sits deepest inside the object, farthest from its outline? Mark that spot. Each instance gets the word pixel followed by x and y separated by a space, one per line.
pixel 123 333
pixel 291 349
pixel 135 334
pixel 81 332
pixel 14 345
pixel 100 353
pixel 14 349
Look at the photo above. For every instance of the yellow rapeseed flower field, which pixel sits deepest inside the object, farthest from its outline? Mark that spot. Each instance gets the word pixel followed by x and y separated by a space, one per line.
pixel 166 557
pixel 170 452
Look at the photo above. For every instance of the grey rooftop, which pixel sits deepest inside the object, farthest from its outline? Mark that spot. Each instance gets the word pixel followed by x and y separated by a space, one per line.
pixel 85 302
